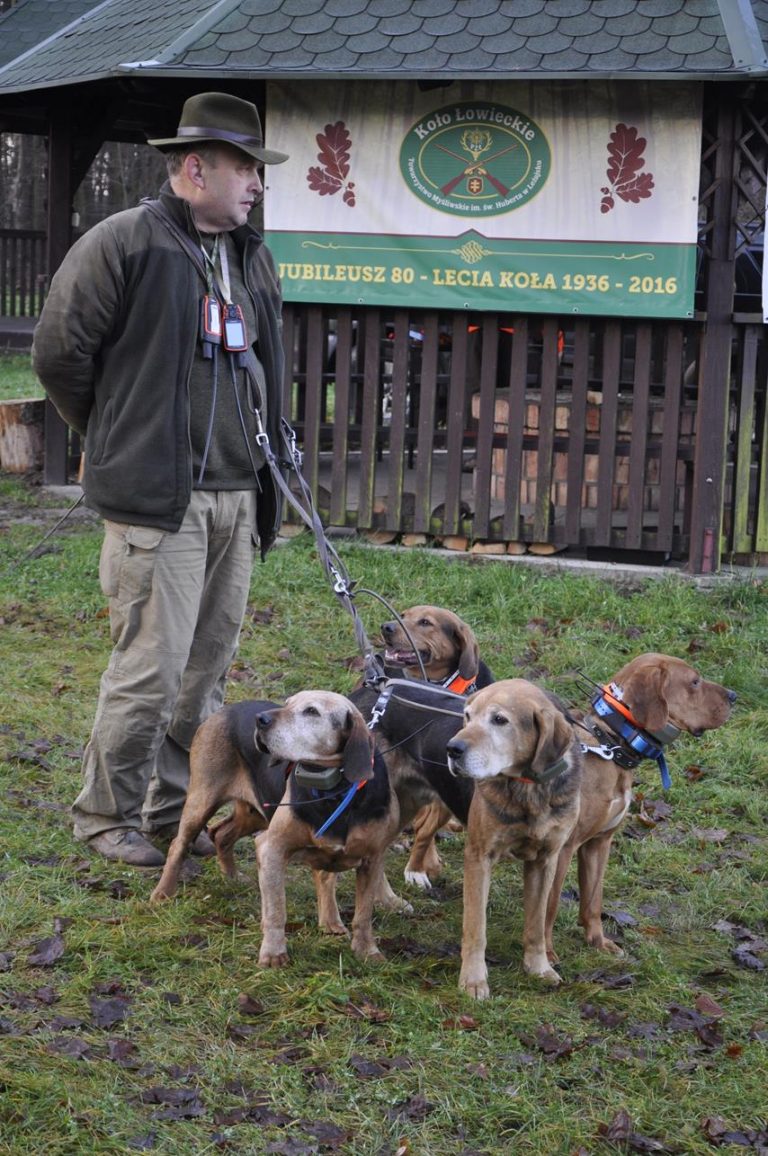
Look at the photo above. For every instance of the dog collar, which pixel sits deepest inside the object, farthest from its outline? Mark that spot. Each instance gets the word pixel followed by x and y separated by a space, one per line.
pixel 460 685
pixel 316 777
pixel 547 774
pixel 638 743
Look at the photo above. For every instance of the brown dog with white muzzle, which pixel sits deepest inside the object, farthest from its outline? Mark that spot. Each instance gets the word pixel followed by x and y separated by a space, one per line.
pixel 291 765
pixel 522 754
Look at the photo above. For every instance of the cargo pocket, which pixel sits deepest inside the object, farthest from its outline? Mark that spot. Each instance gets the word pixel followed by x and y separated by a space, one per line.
pixel 127 562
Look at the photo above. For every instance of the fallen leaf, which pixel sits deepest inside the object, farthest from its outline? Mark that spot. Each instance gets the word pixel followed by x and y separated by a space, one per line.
pixel 107 1012
pixel 550 1043
pixel 366 1069
pixel 416 1108
pixel 620 1131
pixel 122 1052
pixel 327 1134
pixel 365 1010
pixel 464 1023
pixel 47 952
pixel 707 1006
pixel 142 1143
pixel 746 958
pixel 70 1046
pixel 609 1019
pixel 179 1103
pixel 248 1006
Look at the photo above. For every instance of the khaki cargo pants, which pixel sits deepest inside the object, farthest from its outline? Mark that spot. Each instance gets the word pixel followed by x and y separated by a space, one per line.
pixel 176 605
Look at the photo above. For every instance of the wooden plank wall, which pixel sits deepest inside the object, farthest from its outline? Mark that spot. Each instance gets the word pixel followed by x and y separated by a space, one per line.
pixel 501 429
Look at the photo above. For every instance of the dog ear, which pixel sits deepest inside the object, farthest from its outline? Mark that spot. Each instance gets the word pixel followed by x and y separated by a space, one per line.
pixel 555 737
pixel 469 658
pixel 358 749
pixel 646 696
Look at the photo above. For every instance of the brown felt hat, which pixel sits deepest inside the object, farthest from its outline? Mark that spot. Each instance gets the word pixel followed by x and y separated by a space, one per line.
pixel 217 116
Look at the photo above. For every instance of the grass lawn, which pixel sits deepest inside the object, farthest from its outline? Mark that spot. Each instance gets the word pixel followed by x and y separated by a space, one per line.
pixel 17 380
pixel 125 1026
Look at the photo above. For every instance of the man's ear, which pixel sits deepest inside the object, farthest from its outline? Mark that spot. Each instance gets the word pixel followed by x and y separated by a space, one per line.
pixel 193 169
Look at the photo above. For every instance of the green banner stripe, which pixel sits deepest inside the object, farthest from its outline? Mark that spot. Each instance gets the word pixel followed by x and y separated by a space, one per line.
pixel 478 273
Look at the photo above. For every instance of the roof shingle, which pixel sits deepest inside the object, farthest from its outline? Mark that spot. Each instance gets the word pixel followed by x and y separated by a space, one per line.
pixel 418 39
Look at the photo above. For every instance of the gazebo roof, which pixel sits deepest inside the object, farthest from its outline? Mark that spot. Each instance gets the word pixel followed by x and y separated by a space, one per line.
pixel 72 41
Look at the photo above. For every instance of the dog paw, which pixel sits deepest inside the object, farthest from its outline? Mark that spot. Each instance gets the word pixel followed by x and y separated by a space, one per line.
pixel 608 946
pixel 366 949
pixel 476 988
pixel 394 903
pixel 419 879
pixel 373 956
pixel 333 928
pixel 159 895
pixel 268 959
pixel 546 974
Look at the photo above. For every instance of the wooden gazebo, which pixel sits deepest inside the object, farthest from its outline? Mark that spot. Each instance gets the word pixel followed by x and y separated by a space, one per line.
pixel 642 437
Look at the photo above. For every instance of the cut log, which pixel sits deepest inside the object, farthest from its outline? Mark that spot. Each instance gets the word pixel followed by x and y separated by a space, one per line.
pixel 21 435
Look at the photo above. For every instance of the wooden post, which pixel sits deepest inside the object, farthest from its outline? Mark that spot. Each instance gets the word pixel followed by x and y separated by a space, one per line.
pixel 715 358
pixel 55 470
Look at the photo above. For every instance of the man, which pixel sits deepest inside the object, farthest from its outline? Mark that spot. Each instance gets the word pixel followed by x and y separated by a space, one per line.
pixel 160 341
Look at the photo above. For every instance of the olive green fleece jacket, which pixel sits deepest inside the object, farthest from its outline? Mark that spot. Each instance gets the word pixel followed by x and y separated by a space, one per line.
pixel 113 350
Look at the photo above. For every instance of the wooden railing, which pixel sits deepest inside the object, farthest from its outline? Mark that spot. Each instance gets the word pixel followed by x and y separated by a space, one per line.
pixel 508 432
pixel 746 507
pixel 22 284
pixel 496 428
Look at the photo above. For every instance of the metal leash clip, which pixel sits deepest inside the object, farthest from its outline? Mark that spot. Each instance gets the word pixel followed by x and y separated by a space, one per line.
pixel 289 434
pixel 602 752
pixel 261 437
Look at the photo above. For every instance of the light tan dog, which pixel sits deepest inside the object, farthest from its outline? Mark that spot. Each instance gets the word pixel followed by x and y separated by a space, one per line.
pixel 521 751
pixel 644 708
pixel 277 760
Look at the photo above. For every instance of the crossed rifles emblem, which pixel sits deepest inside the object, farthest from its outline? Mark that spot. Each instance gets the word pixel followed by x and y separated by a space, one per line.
pixel 476 142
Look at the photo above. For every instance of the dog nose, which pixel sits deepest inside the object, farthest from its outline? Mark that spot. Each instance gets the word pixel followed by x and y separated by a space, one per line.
pixel 456 748
pixel 264 719
pixel 732 696
pixel 388 629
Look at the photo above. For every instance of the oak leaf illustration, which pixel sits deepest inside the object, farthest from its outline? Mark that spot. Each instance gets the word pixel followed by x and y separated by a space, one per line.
pixel 625 161
pixel 330 176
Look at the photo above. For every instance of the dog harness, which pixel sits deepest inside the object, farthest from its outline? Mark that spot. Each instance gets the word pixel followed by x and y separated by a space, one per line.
pixel 321 780
pixel 636 744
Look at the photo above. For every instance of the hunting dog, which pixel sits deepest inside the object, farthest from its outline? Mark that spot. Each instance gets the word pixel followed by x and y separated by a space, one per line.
pixel 295 762
pixel 522 754
pixel 433 644
pixel 645 707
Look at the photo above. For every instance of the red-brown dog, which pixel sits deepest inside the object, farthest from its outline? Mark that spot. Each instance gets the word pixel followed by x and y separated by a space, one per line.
pixel 645 707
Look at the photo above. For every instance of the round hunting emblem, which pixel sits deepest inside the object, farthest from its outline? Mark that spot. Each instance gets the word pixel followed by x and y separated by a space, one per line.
pixel 475 159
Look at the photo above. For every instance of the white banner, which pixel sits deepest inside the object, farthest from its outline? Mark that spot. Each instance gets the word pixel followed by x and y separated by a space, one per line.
pixel 567 195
